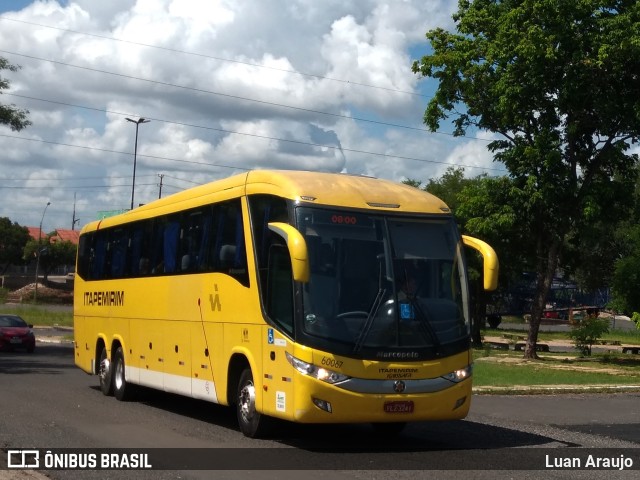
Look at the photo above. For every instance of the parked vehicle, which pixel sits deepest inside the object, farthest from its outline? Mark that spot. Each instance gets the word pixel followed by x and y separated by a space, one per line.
pixel 15 333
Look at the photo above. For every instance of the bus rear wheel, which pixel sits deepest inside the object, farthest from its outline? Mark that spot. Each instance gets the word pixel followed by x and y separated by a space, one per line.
pixel 122 390
pixel 252 424
pixel 104 373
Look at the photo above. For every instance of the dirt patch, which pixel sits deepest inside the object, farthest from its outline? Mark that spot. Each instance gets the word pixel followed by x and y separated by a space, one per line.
pixel 46 294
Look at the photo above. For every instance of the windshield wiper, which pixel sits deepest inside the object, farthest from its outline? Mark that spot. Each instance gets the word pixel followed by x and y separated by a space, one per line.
pixel 424 323
pixel 364 332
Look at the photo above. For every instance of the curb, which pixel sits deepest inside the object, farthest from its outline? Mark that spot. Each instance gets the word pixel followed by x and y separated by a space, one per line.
pixel 553 389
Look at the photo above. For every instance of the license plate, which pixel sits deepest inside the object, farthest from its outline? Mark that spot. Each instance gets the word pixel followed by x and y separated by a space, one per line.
pixel 399 407
pixel 16 340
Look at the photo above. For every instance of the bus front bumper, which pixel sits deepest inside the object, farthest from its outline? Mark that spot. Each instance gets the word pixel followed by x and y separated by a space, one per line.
pixel 320 402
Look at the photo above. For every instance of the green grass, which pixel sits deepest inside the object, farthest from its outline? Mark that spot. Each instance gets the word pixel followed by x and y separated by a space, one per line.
pixel 510 374
pixel 624 336
pixel 42 316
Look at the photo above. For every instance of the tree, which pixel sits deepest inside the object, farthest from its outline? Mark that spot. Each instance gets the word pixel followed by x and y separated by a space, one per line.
pixel 554 80
pixel 11 115
pixel 13 239
pixel 588 332
pixel 626 277
pixel 52 254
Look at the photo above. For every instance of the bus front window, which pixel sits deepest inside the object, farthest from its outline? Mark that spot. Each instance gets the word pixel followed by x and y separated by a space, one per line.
pixel 381 284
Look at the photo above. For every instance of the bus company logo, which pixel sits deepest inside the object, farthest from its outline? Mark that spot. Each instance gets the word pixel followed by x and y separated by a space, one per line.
pixel 397 355
pixel 23 458
pixel 399 386
pixel 109 298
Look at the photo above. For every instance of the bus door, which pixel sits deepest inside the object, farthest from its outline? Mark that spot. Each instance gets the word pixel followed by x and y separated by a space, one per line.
pixel 278 374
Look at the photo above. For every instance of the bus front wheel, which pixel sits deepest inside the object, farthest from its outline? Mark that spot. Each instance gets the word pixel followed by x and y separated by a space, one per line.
pixel 252 423
pixel 121 389
pixel 106 383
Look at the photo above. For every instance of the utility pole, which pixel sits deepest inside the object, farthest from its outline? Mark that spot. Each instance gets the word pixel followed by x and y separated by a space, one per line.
pixel 35 293
pixel 161 175
pixel 74 219
pixel 135 154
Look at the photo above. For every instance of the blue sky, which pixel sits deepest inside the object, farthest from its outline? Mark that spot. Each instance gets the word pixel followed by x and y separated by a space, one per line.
pixel 313 85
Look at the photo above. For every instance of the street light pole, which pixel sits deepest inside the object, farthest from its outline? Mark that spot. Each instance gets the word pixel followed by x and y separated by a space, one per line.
pixel 35 294
pixel 135 154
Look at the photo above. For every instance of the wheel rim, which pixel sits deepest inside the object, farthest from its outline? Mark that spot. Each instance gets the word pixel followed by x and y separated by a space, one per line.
pixel 247 402
pixel 104 370
pixel 119 380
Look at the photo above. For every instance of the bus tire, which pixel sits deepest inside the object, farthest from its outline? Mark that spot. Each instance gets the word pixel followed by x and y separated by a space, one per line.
pixel 252 423
pixel 105 373
pixel 122 390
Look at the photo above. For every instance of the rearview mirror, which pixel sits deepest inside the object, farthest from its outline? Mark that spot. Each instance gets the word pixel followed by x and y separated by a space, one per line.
pixel 490 260
pixel 297 249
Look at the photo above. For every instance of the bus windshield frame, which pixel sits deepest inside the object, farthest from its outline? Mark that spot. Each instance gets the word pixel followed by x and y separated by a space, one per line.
pixel 383 286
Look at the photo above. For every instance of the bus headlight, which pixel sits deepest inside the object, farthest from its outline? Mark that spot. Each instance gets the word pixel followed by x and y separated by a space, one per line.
pixel 321 373
pixel 459 375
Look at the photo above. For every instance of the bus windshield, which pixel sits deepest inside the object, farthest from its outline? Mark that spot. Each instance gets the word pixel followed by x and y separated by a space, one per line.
pixel 384 286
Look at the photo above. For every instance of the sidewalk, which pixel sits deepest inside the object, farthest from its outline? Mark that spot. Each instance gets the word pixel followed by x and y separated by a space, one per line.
pixel 55 334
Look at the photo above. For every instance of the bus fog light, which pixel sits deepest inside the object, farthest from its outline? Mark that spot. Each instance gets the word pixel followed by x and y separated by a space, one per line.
pixel 322 404
pixel 459 402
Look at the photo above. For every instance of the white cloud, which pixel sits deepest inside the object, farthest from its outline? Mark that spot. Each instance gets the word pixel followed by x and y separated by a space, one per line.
pixel 253 84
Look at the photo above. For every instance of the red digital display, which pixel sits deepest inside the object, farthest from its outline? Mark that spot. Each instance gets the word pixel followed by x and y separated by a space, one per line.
pixel 344 219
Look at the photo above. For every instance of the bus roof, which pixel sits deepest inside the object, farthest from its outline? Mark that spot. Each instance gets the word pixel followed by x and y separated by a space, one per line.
pixel 334 189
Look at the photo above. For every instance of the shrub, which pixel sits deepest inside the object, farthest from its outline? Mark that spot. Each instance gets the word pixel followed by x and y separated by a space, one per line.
pixel 587 332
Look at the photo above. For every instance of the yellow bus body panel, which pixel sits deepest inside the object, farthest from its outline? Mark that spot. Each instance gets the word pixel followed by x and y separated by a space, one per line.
pixel 179 333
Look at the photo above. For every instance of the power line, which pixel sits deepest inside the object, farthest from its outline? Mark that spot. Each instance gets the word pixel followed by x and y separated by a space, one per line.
pixel 231 132
pixel 13 179
pixel 75 187
pixel 183 180
pixel 343 149
pixel 221 59
pixel 105 150
pixel 225 95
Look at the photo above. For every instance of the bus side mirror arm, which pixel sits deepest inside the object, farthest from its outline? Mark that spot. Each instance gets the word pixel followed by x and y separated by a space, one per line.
pixel 297 249
pixel 490 264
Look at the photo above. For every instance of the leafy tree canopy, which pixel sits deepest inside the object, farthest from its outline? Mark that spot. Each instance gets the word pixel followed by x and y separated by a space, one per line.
pixel 11 115
pixel 13 239
pixel 554 79
pixel 52 254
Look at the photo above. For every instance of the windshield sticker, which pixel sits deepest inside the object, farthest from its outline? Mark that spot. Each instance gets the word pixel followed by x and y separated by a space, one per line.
pixel 281 401
pixel 406 311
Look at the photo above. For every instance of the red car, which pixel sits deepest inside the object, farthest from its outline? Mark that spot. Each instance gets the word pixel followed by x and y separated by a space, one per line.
pixel 15 333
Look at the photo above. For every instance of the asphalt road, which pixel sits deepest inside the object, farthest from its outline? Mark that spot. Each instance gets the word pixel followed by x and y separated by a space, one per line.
pixel 47 403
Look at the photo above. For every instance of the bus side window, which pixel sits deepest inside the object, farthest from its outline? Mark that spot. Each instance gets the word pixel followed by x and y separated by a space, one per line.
pixel 194 235
pixel 279 304
pixel 98 256
pixel 171 237
pixel 118 246
pixel 228 252
pixel 85 253
pixel 139 263
pixel 156 252
pixel 265 209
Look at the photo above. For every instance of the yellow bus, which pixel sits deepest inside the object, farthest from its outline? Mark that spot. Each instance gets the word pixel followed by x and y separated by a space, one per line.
pixel 305 296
